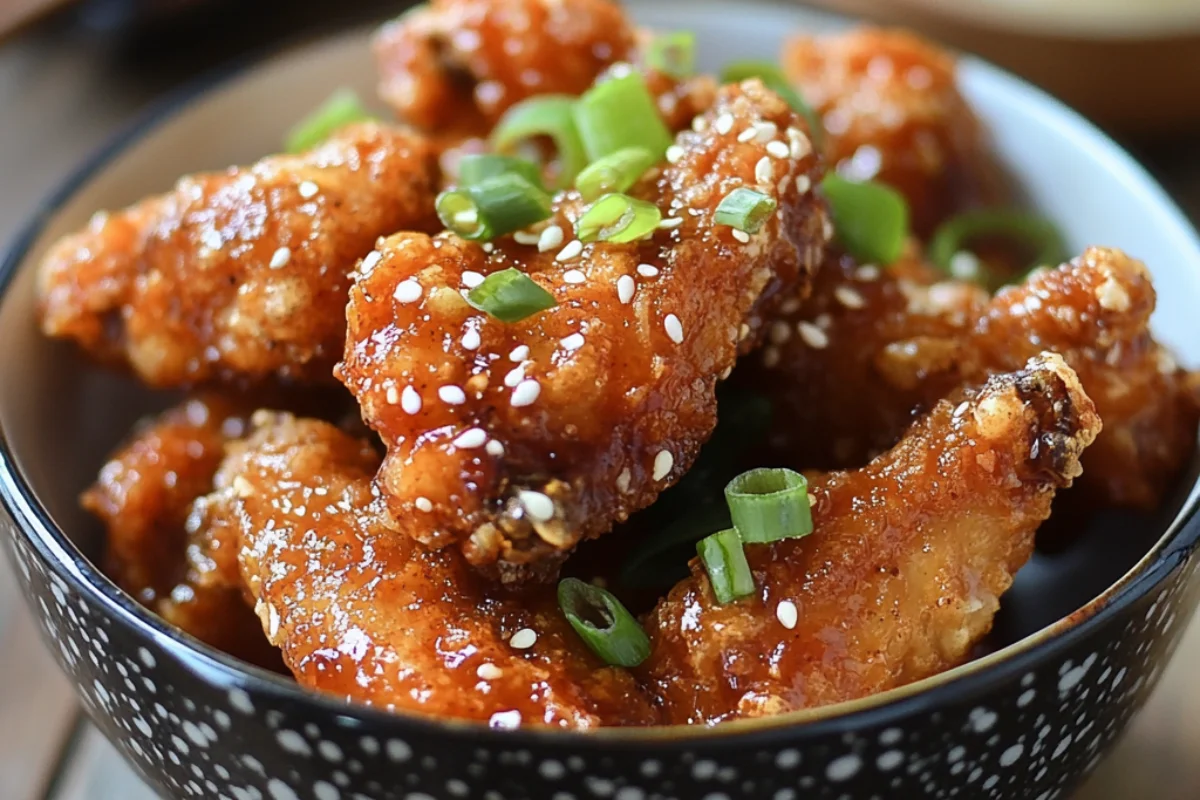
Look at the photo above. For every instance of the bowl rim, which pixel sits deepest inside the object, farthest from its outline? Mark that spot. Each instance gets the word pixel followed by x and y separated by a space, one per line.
pixel 961 684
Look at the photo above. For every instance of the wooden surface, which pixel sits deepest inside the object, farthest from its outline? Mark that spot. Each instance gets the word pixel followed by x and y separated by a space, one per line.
pixel 61 95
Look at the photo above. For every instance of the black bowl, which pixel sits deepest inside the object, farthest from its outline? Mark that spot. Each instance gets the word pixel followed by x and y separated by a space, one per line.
pixel 1082 639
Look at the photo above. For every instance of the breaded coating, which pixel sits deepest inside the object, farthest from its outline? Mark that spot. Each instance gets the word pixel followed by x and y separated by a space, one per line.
pixel 144 498
pixel 892 112
pixel 516 441
pixel 903 572
pixel 239 274
pixel 460 64
pixel 370 616
pixel 851 364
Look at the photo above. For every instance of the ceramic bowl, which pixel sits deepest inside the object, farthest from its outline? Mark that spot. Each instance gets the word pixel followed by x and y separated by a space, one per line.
pixel 1082 639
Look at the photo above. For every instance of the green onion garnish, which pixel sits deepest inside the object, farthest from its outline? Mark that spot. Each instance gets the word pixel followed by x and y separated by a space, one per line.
pixel 476 168
pixel 603 623
pixel 546 115
pixel 871 219
pixel 769 504
pixel 493 207
pixel 774 79
pixel 617 218
pixel 510 296
pixel 620 113
pixel 673 54
pixel 1036 233
pixel 616 172
pixel 725 560
pixel 342 108
pixel 745 209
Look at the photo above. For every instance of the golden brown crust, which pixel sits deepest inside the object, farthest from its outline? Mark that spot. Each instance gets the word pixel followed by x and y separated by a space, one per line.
pixel 903 572
pixel 368 615
pixel 242 273
pixel 600 403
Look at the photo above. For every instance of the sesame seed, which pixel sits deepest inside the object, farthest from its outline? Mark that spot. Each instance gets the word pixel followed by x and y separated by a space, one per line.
pixel 764 170
pixel 787 614
pixel 211 239
pixel 570 250
pixel 523 639
pixel 471 340
pixel 423 504
pixel 625 288
pixel 623 480
pixel 778 149
pixel 674 328
pixel 494 448
pixel 407 291
pixel 699 124
pixel 452 395
pixel 803 184
pixel 539 506
pixel 488 247
pixel 790 306
pixel 551 238
pixel 800 144
pixel 281 257
pixel 574 276
pixel 662 464
pixel 572 342
pixel 743 332
pixel 519 353
pixel 867 273
pixel 526 392
pixel 770 356
pixel 725 373
pixel 470 439
pixel 848 297
pixel 410 401
pixel 765 131
pixel 779 332
pixel 308 190
pixel 524 237
pixel 242 487
pixel 724 123
pixel 813 336
pixel 741 236
pixel 393 396
pixel 647 270
pixel 962 408
pixel 747 135
pixel 670 222
pixel 371 261
pixel 784 183
pixel 489 672
pixel 674 154
pixel 471 279
pixel 515 376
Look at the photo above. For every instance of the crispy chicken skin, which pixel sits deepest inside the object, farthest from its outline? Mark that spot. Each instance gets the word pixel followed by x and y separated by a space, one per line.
pixel 515 441
pixel 903 572
pixel 460 64
pixel 892 112
pixel 239 274
pixel 364 614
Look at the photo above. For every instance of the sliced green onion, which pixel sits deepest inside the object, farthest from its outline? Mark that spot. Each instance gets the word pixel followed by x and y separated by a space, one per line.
pixel 774 79
pixel 617 218
pixel 745 209
pixel 871 219
pixel 342 108
pixel 769 504
pixel 725 560
pixel 476 168
pixel 603 623
pixel 545 115
pixel 510 296
pixel 493 207
pixel 1041 236
pixel 673 54
pixel 620 113
pixel 616 172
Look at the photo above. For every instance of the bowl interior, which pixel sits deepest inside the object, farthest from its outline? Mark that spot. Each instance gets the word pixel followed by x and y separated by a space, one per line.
pixel 61 415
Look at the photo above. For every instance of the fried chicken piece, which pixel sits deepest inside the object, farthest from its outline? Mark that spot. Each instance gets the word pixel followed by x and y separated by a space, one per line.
pixel 903 572
pixel 892 112
pixel 367 615
pixel 460 64
pixel 242 273
pixel 516 441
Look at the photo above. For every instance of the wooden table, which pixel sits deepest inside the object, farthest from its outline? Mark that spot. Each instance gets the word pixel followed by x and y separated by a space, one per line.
pixel 61 95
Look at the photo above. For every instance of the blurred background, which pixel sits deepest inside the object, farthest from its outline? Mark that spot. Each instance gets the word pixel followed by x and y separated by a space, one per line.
pixel 72 72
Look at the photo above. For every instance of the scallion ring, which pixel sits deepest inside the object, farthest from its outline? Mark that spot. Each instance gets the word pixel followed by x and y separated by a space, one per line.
pixel 342 108
pixel 475 168
pixel 774 79
pixel 544 115
pixel 493 207
pixel 620 113
pixel 510 296
pixel 745 209
pixel 615 172
pixel 871 219
pixel 617 218
pixel 1035 233
pixel 673 54
pixel 725 561
pixel 604 624
pixel 767 505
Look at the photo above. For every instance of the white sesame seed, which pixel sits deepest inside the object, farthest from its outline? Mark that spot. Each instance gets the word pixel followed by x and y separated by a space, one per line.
pixel 740 235
pixel 572 342
pixel 779 332
pixel 488 247
pixel 570 250
pixel 539 506
pixel 674 328
pixel 699 124
pixel 662 464
pixel 407 291
pixel 523 639
pixel 778 149
pixel 813 336
pixel 743 332
pixel 471 340
pixel 494 448
pixel 211 239
pixel 551 238
pixel 800 144
pixel 623 480
pixel 803 184
pixel 765 131
pixel 470 439
pixel 489 672
pixel 674 154
pixel 410 401
pixel 452 395
pixel 519 353
pixel 371 261
pixel 647 270
pixel 308 190
pixel 281 257
pixel 524 237
pixel 471 279
pixel 574 276
pixel 393 396
pixel 423 504
pixel 867 273
pixel 625 288
pixel 849 297
pixel 764 171
pixel 526 393
pixel 747 135
pixel 787 614
pixel 515 376
pixel 962 408
pixel 784 183
pixel 670 222
pixel 724 123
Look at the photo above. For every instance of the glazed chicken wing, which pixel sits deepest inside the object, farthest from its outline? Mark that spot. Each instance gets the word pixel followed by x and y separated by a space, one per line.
pixel 362 613
pixel 903 571
pixel 515 441
pixel 242 273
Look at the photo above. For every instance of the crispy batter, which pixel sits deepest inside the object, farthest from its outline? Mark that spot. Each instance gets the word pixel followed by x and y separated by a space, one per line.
pixel 242 273
pixel 375 617
pixel 517 440
pixel 903 572
pixel 892 112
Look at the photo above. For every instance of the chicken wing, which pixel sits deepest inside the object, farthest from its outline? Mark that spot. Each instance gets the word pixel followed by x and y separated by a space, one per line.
pixel 903 572
pixel 242 273
pixel 515 441
pixel 362 613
